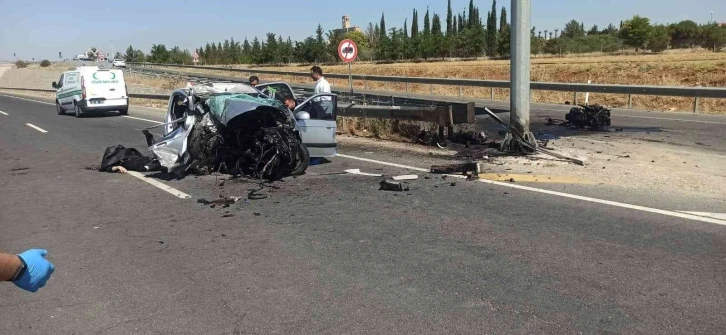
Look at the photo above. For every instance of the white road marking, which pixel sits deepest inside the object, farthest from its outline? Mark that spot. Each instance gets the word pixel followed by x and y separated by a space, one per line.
pixel 160 185
pixel 38 101
pixel 138 118
pixel 720 216
pixel 686 215
pixel 36 128
pixel 669 119
pixel 3 113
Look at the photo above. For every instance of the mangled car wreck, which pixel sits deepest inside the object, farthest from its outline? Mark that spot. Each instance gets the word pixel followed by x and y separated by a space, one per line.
pixel 230 128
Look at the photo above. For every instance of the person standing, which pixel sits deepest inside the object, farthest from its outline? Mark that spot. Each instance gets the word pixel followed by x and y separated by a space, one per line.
pixel 322 86
pixel 28 270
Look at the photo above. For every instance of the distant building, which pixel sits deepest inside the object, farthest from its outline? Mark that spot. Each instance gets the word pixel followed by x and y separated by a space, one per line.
pixel 346 26
pixel 722 24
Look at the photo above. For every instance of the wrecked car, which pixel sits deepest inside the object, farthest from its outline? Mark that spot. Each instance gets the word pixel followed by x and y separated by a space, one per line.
pixel 237 129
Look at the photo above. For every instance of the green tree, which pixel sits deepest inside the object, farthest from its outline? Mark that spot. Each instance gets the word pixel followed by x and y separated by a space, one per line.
pixel 684 34
pixel 256 53
pixel 449 20
pixel 504 35
pixel 713 37
pixel 594 30
pixel 130 55
pixel 491 33
pixel 438 48
pixel 159 54
pixel 573 29
pixel 636 32
pixel 659 39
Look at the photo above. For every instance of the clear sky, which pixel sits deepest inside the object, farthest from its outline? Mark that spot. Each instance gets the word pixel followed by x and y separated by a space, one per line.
pixel 41 28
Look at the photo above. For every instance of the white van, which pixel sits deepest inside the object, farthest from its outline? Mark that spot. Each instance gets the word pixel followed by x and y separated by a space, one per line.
pixel 89 89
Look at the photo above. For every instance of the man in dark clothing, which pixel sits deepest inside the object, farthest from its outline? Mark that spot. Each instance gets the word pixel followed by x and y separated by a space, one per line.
pixel 122 159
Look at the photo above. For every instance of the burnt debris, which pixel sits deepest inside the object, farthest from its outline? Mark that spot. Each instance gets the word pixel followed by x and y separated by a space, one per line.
pixel 592 117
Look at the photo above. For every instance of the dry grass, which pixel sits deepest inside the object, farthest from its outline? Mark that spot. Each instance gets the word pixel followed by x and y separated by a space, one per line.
pixel 684 68
pixel 157 82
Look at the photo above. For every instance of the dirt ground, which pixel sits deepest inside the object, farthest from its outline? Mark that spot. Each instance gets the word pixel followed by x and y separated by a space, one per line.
pixel 617 161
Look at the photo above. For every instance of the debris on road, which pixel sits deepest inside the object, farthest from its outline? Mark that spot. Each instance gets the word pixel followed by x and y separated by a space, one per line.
pixel 227 215
pixel 225 201
pixel 593 117
pixel 463 168
pixel 358 172
pixel 389 185
pixel 405 177
pixel 121 159
pixel 453 184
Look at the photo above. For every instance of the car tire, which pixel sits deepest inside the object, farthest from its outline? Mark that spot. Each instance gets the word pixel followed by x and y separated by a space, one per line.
pixel 124 111
pixel 77 109
pixel 303 160
pixel 59 109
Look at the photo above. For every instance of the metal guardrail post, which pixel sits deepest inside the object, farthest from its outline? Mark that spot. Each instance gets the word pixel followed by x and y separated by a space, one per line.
pixel 461 93
pixel 574 99
pixel 630 101
pixel 406 87
pixel 431 89
pixel 695 105
pixel 491 97
pixel 365 84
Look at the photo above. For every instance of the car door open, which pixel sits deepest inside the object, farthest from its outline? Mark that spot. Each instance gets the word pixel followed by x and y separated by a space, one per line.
pixel 317 124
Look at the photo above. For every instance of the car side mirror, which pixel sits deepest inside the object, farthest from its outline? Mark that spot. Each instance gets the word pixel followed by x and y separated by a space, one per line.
pixel 55 85
pixel 302 115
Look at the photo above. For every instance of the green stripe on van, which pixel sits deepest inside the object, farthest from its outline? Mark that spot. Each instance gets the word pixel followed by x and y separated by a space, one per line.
pixel 69 94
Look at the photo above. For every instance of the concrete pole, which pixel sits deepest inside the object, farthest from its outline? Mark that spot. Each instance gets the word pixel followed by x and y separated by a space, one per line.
pixel 519 64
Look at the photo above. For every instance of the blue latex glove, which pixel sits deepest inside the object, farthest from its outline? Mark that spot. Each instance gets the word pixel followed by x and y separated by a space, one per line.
pixel 38 271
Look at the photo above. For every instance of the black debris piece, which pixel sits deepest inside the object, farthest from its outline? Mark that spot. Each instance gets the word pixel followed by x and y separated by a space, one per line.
pixel 390 185
pixel 456 168
pixel 161 242
pixel 258 214
pixel 227 215
pixel 226 201
pixel 592 117
pixel 511 180
pixel 453 184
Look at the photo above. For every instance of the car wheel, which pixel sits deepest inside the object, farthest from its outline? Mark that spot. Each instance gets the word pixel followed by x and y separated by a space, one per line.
pixel 303 160
pixel 77 109
pixel 58 108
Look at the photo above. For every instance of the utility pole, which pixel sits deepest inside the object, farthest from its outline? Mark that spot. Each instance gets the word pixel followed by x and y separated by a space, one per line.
pixel 710 21
pixel 520 68
pixel 520 80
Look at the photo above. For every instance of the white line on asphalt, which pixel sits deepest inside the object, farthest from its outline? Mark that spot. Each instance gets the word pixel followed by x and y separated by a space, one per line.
pixel 560 194
pixel 38 101
pixel 669 119
pixel 720 216
pixel 36 127
pixel 3 113
pixel 160 185
pixel 138 118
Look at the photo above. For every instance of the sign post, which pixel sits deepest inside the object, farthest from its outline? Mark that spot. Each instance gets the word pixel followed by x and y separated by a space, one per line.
pixel 348 51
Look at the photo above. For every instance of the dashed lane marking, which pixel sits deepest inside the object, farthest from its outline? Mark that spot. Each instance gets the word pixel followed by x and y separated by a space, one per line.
pixel 160 185
pixel 3 113
pixel 36 128
pixel 559 194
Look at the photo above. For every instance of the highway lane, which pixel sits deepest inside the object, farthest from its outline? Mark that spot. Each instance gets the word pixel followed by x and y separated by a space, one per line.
pixel 329 253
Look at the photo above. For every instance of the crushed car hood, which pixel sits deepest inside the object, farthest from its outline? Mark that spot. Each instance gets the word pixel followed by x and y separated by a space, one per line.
pixel 226 107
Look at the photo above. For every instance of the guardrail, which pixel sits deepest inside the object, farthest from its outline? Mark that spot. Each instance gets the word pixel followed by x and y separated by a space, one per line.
pixel 444 116
pixel 630 90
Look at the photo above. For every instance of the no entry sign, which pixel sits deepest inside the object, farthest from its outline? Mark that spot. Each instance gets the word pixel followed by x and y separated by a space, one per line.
pixel 347 50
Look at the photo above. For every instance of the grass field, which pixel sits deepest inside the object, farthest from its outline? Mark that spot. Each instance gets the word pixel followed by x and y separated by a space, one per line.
pixel 696 68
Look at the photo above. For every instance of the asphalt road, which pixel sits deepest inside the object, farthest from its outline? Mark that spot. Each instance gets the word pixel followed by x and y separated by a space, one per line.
pixel 329 253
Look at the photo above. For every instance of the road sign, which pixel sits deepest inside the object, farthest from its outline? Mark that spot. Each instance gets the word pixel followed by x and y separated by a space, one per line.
pixel 347 50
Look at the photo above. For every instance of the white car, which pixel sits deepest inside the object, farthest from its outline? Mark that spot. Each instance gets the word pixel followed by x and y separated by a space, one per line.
pixel 91 89
pixel 119 63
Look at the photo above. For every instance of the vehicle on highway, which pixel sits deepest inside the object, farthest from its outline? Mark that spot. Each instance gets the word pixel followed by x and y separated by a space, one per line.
pixel 318 127
pixel 90 89
pixel 119 63
pixel 237 129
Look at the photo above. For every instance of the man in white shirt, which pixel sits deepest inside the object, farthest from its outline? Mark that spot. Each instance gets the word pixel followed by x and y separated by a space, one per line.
pixel 322 86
